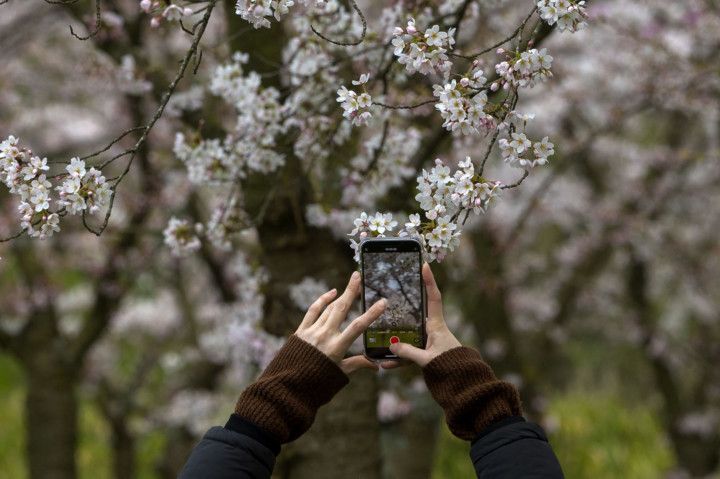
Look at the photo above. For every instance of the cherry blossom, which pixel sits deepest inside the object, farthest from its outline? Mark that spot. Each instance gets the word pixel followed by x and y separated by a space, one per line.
pixel 423 52
pixel 181 237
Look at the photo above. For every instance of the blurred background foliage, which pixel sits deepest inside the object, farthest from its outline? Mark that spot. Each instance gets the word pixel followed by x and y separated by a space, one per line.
pixel 593 286
pixel 597 431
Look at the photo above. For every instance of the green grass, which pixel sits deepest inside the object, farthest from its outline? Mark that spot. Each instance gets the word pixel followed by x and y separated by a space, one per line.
pixel 12 433
pixel 597 436
pixel 93 456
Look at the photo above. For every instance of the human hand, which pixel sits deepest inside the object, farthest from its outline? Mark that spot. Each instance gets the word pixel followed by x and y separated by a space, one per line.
pixel 439 337
pixel 321 326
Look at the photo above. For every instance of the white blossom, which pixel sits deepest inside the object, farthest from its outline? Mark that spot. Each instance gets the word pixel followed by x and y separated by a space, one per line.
pixel 181 237
pixel 424 52
pixel 569 15
pixel 307 291
pixel 356 107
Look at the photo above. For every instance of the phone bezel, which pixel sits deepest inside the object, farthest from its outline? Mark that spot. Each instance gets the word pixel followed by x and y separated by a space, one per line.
pixel 392 245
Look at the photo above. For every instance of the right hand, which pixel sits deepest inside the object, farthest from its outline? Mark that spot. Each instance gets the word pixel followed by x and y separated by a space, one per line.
pixel 439 337
pixel 321 326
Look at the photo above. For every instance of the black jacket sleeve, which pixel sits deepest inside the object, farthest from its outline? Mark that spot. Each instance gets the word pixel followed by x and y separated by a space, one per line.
pixel 240 450
pixel 515 449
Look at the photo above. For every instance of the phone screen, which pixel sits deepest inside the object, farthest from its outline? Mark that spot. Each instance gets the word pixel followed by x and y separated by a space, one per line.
pixel 395 276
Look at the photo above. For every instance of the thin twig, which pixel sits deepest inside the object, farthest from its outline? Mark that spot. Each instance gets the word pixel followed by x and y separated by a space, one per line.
pixel 404 107
pixel 98 24
pixel 379 149
pixel 517 183
pixel 158 113
pixel 113 142
pixel 347 44
pixel 518 31
pixel 16 235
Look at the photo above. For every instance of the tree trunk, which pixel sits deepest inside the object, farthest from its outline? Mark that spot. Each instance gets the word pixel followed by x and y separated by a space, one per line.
pixel 123 450
pixel 50 417
pixel 409 445
pixel 345 438
pixel 697 454
pixel 483 301
pixel 344 441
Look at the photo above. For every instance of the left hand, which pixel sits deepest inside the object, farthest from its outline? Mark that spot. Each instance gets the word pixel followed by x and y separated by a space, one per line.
pixel 321 326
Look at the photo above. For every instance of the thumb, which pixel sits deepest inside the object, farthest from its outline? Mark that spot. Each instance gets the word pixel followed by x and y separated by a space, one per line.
pixel 353 363
pixel 410 352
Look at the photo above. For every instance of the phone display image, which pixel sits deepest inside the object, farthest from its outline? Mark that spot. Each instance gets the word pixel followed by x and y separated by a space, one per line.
pixel 395 276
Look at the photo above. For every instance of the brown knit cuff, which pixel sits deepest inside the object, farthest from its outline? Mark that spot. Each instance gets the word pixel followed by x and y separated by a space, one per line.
pixel 284 399
pixel 467 389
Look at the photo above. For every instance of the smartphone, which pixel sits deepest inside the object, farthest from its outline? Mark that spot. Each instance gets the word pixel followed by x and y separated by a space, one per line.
pixel 392 269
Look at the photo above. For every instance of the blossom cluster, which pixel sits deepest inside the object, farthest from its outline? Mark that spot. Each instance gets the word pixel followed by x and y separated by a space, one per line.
pixel 225 326
pixel 208 161
pixel 378 225
pixel 83 189
pixel 304 293
pixel 227 221
pixel 462 104
pixel 182 236
pixel 569 15
pixel 517 149
pixel 380 166
pixel 127 78
pixel 24 174
pixel 444 197
pixel 259 12
pixel 250 146
pixel 356 108
pixel 391 407
pixel 424 52
pixel 441 193
pixel 259 111
pixel 522 69
pixel 164 11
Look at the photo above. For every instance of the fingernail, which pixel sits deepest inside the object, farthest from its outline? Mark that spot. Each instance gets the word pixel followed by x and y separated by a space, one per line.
pixel 333 291
pixel 355 275
pixel 384 302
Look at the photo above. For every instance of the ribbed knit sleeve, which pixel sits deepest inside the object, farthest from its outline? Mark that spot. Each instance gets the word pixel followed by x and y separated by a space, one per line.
pixel 469 393
pixel 286 397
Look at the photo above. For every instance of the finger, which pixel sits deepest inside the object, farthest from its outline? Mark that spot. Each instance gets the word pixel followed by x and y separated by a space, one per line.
pixel 434 298
pixel 361 323
pixel 317 308
pixel 323 317
pixel 344 302
pixel 393 364
pixel 353 363
pixel 407 351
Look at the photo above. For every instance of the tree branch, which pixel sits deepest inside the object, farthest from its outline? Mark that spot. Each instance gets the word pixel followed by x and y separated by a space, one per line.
pixel 158 113
pixel 355 7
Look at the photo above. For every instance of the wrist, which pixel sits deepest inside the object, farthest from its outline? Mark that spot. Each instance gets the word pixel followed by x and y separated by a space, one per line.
pixel 286 397
pixel 469 392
